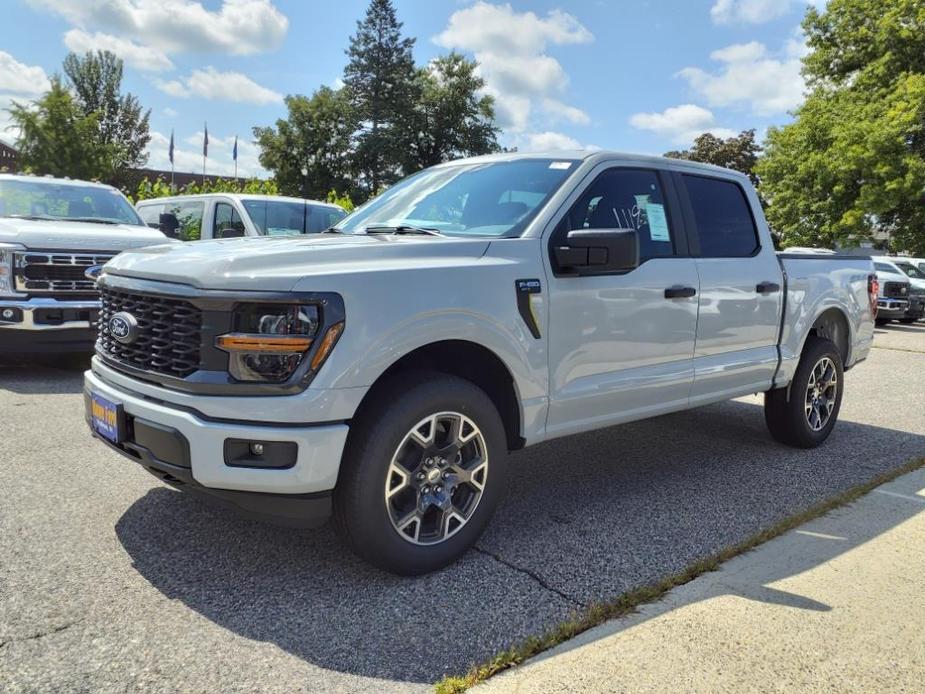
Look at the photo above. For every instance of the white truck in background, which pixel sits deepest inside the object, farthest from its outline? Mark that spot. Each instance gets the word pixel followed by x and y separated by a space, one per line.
pixel 231 215
pixel 55 236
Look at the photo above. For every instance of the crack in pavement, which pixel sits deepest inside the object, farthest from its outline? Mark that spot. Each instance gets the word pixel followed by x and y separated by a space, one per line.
pixel 41 634
pixel 527 572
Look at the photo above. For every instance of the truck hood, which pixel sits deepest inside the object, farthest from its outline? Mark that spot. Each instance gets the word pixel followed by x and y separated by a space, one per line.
pixel 277 263
pixel 55 235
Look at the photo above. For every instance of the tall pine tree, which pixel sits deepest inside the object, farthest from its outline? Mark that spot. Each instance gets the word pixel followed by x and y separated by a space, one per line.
pixel 380 79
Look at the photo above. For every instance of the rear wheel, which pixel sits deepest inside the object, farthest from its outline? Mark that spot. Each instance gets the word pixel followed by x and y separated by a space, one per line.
pixel 804 414
pixel 422 474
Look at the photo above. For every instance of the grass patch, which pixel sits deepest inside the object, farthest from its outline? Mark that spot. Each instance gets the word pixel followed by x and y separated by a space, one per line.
pixel 626 603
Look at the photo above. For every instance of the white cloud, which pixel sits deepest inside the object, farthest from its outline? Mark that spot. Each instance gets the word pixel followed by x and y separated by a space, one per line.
pixel 511 50
pixel 749 11
pixel 220 86
pixel 190 159
pixel 680 124
pixel 138 56
pixel 19 78
pixel 749 76
pixel 169 112
pixel 561 111
pixel 238 27
pixel 537 142
pixel 18 82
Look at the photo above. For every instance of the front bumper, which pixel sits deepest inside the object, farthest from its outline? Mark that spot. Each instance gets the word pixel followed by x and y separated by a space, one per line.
pixel 47 325
pixel 892 308
pixel 189 452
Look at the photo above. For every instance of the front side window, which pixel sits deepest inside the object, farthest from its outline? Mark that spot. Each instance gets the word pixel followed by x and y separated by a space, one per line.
pixel 725 226
pixel 151 215
pixel 626 199
pixel 321 217
pixel 911 270
pixel 37 199
pixel 228 223
pixel 487 199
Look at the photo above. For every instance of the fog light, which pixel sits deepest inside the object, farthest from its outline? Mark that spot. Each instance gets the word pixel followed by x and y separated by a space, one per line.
pixel 8 314
pixel 257 448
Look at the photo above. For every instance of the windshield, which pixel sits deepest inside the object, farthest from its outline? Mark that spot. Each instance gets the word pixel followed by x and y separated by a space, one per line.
pixel 38 199
pixel 287 217
pixel 495 199
pixel 911 270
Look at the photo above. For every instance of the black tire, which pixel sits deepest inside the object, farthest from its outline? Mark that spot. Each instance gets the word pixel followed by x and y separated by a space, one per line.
pixel 363 515
pixel 908 321
pixel 785 409
pixel 880 322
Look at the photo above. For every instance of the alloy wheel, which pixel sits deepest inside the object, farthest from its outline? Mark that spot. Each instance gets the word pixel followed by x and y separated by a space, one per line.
pixel 821 392
pixel 436 478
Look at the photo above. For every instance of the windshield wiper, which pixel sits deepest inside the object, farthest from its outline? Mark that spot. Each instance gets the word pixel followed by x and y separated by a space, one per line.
pixel 332 230
pixel 402 229
pixel 90 220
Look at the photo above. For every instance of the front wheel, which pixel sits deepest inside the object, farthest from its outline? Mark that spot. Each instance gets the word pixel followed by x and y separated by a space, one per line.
pixel 804 414
pixel 422 474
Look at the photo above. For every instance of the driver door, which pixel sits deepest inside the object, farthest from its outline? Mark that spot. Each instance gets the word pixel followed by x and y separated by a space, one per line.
pixel 621 347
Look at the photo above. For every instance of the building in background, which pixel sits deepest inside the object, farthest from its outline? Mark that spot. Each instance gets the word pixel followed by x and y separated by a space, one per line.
pixel 9 157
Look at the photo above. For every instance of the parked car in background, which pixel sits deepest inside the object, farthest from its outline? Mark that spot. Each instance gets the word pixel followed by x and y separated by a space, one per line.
pixel 55 236
pixel 228 215
pixel 902 293
pixel 384 369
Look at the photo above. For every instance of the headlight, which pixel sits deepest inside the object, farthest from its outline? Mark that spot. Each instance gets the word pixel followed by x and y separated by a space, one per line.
pixel 271 341
pixel 6 267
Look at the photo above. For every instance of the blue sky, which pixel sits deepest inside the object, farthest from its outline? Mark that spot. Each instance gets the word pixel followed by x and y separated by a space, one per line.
pixel 641 76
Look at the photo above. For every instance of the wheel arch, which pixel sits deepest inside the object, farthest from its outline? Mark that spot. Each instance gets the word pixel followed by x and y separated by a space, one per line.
pixel 832 324
pixel 467 360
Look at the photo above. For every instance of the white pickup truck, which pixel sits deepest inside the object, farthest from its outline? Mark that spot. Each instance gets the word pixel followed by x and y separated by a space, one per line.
pixel 383 370
pixel 230 215
pixel 55 236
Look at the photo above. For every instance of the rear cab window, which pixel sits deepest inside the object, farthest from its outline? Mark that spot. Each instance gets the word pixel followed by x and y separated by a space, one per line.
pixel 723 217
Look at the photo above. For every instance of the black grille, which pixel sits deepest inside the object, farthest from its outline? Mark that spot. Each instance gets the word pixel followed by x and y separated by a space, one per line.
pixel 56 273
pixel 169 332
pixel 895 290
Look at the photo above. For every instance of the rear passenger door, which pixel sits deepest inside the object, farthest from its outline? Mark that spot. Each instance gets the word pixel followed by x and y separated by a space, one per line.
pixel 740 290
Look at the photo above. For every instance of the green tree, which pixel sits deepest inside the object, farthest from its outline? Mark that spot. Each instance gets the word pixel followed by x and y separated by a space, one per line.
pixel 96 80
pixel 56 137
pixel 309 151
pixel 739 153
pixel 380 80
pixel 450 118
pixel 851 167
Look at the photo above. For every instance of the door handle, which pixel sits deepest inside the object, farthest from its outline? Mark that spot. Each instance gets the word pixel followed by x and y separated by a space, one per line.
pixel 767 287
pixel 679 292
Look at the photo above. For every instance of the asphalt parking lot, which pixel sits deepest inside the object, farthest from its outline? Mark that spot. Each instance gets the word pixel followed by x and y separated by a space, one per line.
pixel 111 581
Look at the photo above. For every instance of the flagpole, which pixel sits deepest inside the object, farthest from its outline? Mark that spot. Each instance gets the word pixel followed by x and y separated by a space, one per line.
pixel 205 151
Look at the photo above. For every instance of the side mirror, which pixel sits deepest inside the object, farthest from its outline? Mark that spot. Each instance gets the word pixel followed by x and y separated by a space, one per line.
pixel 169 225
pixel 598 251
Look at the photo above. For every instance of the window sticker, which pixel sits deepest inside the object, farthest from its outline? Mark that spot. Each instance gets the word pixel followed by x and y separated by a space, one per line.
pixel 560 165
pixel 658 223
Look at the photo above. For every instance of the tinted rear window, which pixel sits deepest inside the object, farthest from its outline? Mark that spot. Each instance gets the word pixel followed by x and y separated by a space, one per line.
pixel 725 225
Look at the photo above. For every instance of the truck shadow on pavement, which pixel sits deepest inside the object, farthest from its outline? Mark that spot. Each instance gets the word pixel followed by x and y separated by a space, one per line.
pixel 585 519
pixel 43 374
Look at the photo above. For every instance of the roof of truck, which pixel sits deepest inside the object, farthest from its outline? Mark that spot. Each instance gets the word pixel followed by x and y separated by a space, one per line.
pixel 602 154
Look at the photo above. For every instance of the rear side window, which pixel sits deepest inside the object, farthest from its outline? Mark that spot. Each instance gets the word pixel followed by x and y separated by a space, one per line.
pixel 725 226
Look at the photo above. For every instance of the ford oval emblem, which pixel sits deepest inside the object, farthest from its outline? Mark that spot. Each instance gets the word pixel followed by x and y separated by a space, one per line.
pixel 93 272
pixel 123 327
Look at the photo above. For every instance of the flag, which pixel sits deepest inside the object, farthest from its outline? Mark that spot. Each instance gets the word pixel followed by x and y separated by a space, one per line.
pixel 170 149
pixel 205 141
pixel 234 151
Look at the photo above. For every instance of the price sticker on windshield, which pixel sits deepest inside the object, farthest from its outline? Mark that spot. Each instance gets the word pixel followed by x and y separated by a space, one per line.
pixel 560 165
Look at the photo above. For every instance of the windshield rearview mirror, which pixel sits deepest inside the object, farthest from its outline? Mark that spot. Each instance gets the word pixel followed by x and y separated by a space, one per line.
pixel 598 251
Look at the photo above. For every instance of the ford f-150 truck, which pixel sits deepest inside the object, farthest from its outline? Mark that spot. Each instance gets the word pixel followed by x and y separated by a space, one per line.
pixel 383 370
pixel 55 236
